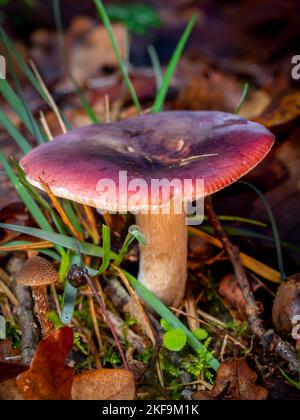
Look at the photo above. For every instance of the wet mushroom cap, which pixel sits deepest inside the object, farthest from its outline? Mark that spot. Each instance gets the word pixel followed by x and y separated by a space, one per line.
pixel 37 271
pixel 214 146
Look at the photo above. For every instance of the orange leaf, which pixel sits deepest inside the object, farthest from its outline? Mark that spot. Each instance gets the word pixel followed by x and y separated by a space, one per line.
pixel 104 384
pixel 48 378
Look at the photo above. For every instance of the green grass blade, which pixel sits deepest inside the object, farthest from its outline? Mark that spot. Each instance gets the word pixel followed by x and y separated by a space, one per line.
pixel 106 22
pixel 59 239
pixel 15 103
pixel 68 208
pixel 14 133
pixel 49 252
pixel 168 316
pixel 28 73
pixel 86 106
pixel 68 304
pixel 161 95
pixel 134 232
pixel 22 64
pixel 273 225
pixel 29 202
pixel 106 249
pixel 156 66
pixel 35 128
pixel 250 234
pixel 243 98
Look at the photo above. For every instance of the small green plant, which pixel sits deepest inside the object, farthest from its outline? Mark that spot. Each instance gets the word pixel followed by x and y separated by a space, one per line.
pixel 13 333
pixel 174 339
pixel 111 357
pixel 200 333
pixel 200 363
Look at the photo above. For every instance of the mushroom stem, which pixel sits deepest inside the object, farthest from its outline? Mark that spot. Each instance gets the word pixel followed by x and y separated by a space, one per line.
pixel 41 309
pixel 163 261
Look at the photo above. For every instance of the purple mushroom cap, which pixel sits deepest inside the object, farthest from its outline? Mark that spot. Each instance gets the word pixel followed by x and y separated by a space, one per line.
pixel 214 146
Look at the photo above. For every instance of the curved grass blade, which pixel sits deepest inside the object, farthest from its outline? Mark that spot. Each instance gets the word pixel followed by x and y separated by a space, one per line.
pixel 14 133
pixel 59 239
pixel 168 316
pixel 29 202
pixel 274 227
pixel 134 232
pixel 156 66
pixel 161 95
pixel 106 250
pixel 243 98
pixel 35 129
pixel 106 22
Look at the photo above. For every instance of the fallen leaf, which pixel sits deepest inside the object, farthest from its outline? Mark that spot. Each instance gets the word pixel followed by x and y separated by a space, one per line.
pixel 48 378
pixel 104 384
pixel 231 292
pixel 282 110
pixel 9 390
pixel 89 48
pixel 234 381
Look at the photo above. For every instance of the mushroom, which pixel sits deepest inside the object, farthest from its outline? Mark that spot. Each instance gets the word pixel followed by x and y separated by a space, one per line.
pixel 215 147
pixel 38 273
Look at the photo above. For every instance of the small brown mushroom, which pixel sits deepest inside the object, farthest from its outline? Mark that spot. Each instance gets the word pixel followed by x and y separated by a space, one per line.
pixel 38 273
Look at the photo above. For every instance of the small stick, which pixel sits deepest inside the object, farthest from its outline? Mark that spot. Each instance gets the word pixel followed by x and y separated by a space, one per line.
pixel 106 316
pixel 95 323
pixel 269 339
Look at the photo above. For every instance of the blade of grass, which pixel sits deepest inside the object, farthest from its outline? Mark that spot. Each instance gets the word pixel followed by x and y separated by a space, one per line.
pixel 15 133
pixel 168 316
pixel 106 250
pixel 15 103
pixel 106 22
pixel 273 225
pixel 29 202
pixel 161 95
pixel 156 66
pixel 134 232
pixel 18 245
pixel 251 263
pixel 32 191
pixel 250 234
pixel 58 22
pixel 243 98
pixel 35 127
pixel 235 219
pixel 22 64
pixel 59 239
pixel 27 71
pixel 67 205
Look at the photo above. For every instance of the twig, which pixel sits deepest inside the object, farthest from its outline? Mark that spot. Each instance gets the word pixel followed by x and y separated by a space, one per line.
pixel 106 316
pixel 24 312
pixel 269 339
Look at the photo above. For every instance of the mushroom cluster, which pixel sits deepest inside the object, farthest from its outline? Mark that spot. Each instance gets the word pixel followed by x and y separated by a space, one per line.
pixel 214 147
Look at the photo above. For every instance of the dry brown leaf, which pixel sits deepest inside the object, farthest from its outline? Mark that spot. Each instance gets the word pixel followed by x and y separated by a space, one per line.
pixel 48 378
pixel 234 381
pixel 231 292
pixel 9 390
pixel 89 48
pixel 104 384
pixel 281 111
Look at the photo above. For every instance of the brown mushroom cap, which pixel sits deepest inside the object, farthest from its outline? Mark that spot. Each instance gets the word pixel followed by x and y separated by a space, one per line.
pixel 37 271
pixel 214 146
